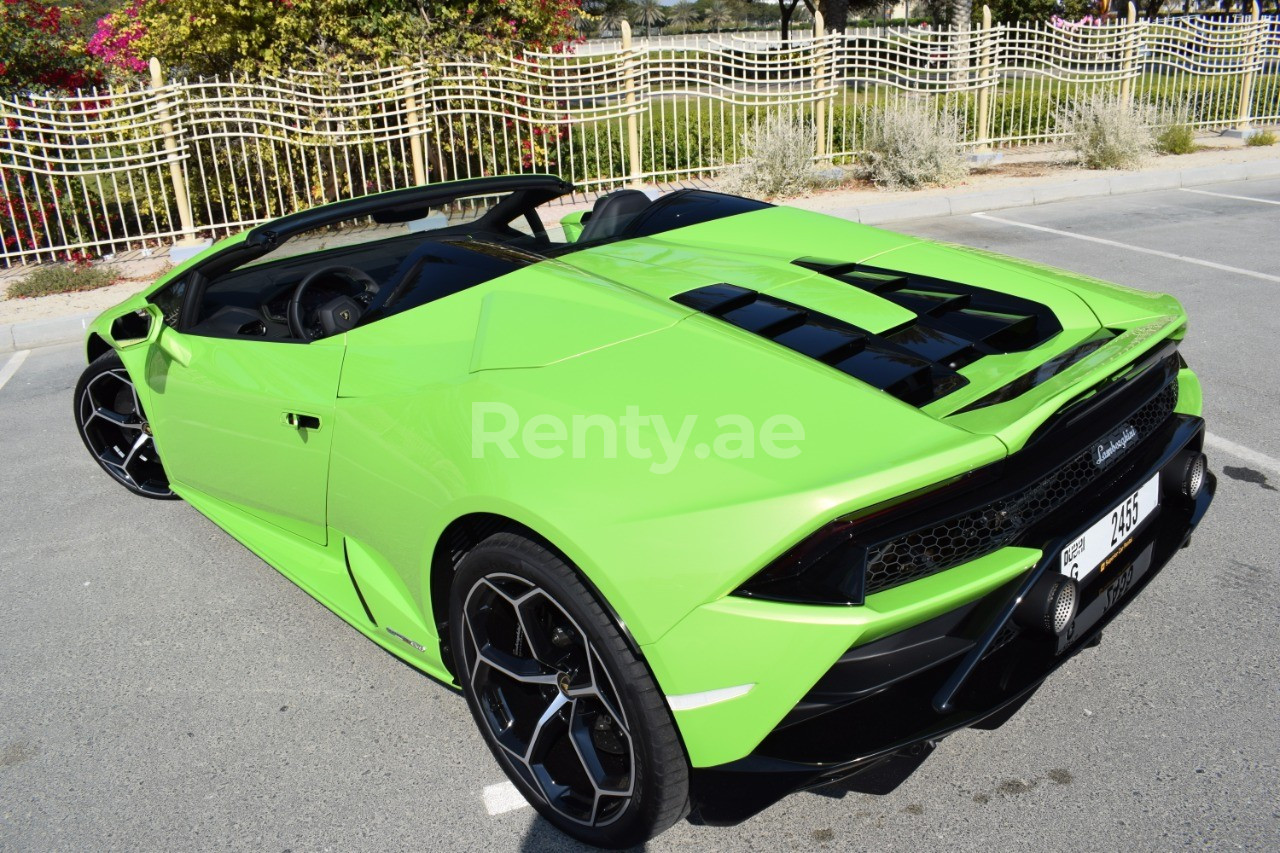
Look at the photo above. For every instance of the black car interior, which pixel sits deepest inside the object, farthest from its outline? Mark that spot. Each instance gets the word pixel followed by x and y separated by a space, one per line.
pixel 329 291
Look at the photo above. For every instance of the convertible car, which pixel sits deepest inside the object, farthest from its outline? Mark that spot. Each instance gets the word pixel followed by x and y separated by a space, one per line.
pixel 698 500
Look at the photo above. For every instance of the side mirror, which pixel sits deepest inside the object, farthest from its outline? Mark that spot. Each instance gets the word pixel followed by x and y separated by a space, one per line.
pixel 132 328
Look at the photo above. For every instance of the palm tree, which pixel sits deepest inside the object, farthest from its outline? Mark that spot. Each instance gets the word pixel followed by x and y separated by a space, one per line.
pixel 648 12
pixel 718 15
pixel 582 23
pixel 683 15
pixel 612 14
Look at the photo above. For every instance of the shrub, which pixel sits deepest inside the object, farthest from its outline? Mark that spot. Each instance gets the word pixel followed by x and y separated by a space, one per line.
pixel 42 48
pixel 1178 137
pixel 778 159
pixel 1261 138
pixel 1106 132
pixel 60 278
pixel 912 145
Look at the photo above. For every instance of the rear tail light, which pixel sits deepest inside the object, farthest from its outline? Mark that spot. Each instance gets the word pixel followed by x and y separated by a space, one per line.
pixel 830 566
pixel 826 568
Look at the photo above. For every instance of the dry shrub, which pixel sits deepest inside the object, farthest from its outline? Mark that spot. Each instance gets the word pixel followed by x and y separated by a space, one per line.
pixel 60 278
pixel 1261 138
pixel 912 145
pixel 779 159
pixel 1107 133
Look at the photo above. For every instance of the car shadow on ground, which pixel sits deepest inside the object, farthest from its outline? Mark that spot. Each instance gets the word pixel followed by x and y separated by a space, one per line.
pixel 542 837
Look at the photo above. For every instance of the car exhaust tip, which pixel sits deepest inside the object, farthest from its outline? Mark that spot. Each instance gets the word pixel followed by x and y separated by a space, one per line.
pixel 1050 605
pixel 1194 480
pixel 1187 474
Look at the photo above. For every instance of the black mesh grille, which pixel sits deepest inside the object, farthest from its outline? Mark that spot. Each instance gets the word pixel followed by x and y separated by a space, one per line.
pixel 1002 639
pixel 981 531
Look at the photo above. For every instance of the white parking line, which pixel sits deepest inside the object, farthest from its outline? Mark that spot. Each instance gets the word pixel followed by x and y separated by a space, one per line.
pixel 1239 451
pixel 11 366
pixel 1228 195
pixel 503 797
pixel 1118 245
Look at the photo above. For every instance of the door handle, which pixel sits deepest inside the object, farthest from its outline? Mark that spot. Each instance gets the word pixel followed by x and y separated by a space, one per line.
pixel 297 420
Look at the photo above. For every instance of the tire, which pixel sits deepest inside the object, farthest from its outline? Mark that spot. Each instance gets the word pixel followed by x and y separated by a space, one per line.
pixel 115 430
pixel 565 703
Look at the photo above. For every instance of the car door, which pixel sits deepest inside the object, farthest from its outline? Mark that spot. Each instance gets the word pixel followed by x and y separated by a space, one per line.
pixel 242 404
pixel 249 422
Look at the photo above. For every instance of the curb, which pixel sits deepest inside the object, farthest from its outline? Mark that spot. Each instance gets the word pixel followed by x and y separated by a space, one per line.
pixel 900 210
pixel 44 333
pixel 61 330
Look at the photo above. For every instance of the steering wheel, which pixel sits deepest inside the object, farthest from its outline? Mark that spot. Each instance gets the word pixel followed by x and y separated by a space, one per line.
pixel 339 314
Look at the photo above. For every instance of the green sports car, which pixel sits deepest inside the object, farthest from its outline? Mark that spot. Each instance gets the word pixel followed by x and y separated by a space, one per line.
pixel 700 501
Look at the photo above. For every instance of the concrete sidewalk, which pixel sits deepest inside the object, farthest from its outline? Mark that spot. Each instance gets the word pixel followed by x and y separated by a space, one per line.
pixel 858 206
pixel 925 204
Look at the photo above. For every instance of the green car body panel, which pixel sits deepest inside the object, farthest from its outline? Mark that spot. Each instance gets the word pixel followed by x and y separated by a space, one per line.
pixel 392 465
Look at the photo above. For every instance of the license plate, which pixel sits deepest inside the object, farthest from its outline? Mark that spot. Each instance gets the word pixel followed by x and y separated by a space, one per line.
pixel 1110 536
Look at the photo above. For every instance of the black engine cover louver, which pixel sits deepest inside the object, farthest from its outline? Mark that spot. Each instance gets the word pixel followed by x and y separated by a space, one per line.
pixel 955 323
pixel 911 375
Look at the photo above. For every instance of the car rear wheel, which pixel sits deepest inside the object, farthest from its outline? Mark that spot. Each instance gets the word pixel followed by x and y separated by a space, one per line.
pixel 566 705
pixel 114 428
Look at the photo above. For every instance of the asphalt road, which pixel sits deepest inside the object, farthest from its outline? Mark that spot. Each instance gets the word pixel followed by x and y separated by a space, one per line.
pixel 163 689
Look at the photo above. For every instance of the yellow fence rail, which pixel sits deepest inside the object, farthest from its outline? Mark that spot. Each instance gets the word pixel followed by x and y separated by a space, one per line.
pixel 177 160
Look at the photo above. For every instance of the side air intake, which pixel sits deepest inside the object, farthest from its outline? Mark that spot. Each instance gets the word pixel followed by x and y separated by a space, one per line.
pixel 909 375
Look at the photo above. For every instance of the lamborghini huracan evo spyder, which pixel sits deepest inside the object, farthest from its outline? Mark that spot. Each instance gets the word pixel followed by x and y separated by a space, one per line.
pixel 454 415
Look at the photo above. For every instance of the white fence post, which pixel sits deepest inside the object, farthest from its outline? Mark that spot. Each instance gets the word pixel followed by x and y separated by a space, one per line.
pixel 1245 112
pixel 1126 66
pixel 171 149
pixel 984 89
pixel 819 73
pixel 630 70
pixel 414 118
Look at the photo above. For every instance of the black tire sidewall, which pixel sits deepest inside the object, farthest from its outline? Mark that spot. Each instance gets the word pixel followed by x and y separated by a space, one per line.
pixel 649 810
pixel 104 363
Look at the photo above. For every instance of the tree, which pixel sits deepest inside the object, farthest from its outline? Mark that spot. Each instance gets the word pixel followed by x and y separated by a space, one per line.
pixel 583 22
pixel 682 15
pixel 648 13
pixel 718 15
pixel 1009 11
pixel 940 12
pixel 611 15
pixel 786 8
pixel 205 37
pixel 43 48
pixel 835 13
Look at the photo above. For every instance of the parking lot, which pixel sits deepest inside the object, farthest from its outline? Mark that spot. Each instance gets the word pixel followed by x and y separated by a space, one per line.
pixel 162 689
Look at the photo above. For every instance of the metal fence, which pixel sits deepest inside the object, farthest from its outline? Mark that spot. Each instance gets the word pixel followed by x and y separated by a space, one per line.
pixel 126 168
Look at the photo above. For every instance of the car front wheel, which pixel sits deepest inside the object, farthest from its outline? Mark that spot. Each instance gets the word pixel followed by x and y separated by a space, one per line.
pixel 563 700
pixel 114 428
